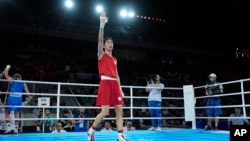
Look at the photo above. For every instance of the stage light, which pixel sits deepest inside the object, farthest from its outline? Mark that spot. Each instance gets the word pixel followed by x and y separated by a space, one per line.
pixel 69 3
pixel 131 14
pixel 99 8
pixel 123 13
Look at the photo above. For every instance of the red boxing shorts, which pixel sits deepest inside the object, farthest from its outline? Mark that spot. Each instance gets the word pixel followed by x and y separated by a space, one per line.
pixel 109 93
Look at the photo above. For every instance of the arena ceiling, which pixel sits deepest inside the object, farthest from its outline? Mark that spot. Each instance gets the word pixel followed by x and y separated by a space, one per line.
pixel 207 24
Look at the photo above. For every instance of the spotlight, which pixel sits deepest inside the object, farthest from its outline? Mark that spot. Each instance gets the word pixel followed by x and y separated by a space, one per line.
pixel 131 14
pixel 123 13
pixel 99 8
pixel 69 3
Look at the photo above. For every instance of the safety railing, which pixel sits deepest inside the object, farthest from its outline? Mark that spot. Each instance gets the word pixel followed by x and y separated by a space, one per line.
pixel 239 88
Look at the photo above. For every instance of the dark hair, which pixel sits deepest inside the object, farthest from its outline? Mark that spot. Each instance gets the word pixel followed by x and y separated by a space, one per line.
pixel 154 76
pixel 107 121
pixel 107 38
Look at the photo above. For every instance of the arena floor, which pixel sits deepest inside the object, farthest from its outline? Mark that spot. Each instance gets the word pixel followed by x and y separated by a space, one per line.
pixel 140 135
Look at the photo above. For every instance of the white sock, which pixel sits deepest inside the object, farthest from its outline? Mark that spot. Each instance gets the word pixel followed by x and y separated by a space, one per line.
pixel 12 120
pixel 120 135
pixel 91 130
pixel 12 117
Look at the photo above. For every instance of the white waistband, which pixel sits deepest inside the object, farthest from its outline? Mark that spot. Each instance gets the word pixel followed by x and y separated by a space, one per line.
pixel 104 77
pixel 13 94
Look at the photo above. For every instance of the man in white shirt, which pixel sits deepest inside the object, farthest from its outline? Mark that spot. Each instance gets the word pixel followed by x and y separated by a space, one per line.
pixel 59 128
pixel 129 126
pixel 237 121
pixel 107 127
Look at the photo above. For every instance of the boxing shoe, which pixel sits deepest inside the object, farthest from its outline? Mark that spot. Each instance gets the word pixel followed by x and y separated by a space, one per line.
pixel 90 134
pixel 121 137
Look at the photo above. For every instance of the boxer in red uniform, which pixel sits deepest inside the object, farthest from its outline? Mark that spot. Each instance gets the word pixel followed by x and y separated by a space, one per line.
pixel 109 92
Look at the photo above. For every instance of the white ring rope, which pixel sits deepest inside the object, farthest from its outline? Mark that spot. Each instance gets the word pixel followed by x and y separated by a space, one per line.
pixel 130 96
pixel 224 83
pixel 222 95
pixel 93 118
pixel 227 106
pixel 94 107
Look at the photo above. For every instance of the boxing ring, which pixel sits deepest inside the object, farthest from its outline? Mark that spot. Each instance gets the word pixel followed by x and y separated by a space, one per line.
pixel 190 103
pixel 166 135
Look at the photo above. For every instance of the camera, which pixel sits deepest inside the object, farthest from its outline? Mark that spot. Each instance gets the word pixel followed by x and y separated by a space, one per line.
pixel 150 78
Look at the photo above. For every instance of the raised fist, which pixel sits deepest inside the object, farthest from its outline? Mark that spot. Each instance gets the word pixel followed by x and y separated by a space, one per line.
pixel 103 18
pixel 8 67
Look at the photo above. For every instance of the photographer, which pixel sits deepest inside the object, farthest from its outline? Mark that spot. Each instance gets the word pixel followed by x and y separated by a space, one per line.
pixel 155 87
pixel 213 88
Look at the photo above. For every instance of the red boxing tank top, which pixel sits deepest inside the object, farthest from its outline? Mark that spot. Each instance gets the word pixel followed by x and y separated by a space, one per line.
pixel 107 65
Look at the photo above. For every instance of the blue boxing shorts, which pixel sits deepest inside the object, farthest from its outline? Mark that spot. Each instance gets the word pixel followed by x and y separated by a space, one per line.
pixel 213 111
pixel 14 101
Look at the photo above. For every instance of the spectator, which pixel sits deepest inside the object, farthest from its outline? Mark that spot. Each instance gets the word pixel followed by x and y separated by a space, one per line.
pixel 237 121
pixel 141 125
pixel 63 121
pixel 48 122
pixel 81 124
pixel 68 127
pixel 129 126
pixel 59 128
pixel 34 123
pixel 39 115
pixel 107 126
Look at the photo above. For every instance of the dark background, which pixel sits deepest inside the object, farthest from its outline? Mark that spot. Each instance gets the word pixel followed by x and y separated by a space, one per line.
pixel 205 32
pixel 207 24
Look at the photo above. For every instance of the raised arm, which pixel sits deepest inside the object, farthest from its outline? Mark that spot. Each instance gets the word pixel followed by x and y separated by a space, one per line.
pixel 103 21
pixel 147 87
pixel 6 73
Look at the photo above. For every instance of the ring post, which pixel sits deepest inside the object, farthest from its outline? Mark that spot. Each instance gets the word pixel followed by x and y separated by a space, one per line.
pixel 58 101
pixel 243 98
pixel 189 104
pixel 43 117
pixel 131 102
